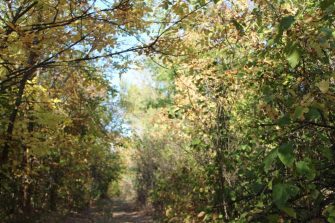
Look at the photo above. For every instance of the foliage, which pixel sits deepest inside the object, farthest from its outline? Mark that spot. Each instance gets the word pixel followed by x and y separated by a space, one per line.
pixel 57 108
pixel 236 125
pixel 254 95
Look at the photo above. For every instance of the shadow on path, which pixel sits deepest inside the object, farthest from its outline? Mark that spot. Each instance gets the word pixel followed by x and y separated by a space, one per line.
pixel 111 211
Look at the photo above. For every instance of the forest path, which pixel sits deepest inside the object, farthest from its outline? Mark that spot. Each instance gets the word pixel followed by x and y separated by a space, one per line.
pixel 127 212
pixel 111 211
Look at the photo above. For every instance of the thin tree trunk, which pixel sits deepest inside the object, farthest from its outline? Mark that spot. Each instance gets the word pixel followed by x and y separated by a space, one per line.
pixel 25 187
pixel 221 144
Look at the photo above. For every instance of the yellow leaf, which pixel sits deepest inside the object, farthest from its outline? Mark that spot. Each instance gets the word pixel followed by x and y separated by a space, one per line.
pixel 201 214
pixel 323 86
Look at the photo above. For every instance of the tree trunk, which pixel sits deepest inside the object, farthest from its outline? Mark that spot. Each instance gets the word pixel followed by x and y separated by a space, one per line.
pixel 221 144
pixel 12 119
pixel 25 186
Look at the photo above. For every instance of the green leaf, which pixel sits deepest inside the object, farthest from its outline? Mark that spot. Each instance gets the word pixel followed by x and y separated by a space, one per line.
pixel 327 153
pixel 294 58
pixel 313 114
pixel 286 23
pixel 281 193
pixel 299 112
pixel 329 212
pixel 289 211
pixel 285 120
pixel 195 142
pixel 257 187
pixel 286 155
pixel 293 54
pixel 305 168
pixel 269 159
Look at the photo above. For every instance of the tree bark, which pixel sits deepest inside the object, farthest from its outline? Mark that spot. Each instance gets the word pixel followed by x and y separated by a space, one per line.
pixel 12 118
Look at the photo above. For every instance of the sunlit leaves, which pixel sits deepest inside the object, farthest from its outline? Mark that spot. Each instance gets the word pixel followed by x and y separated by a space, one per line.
pixel 268 64
pixel 323 86
pixel 293 54
pixel 63 122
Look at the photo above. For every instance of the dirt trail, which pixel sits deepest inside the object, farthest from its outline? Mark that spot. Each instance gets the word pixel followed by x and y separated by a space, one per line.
pixel 111 211
pixel 126 212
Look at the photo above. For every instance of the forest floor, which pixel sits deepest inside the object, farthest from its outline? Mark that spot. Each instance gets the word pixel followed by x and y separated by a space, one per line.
pixel 111 211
